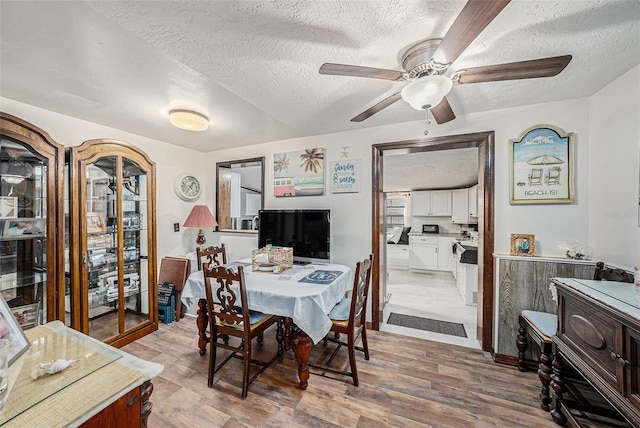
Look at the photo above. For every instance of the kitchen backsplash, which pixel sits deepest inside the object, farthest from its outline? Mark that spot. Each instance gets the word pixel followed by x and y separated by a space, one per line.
pixel 443 222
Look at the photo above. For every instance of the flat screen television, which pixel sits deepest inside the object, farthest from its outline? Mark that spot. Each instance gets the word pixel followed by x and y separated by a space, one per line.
pixel 306 231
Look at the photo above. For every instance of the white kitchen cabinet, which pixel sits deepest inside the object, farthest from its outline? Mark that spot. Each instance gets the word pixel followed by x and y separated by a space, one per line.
pixel 431 203
pixel 397 256
pixel 423 252
pixel 420 203
pixel 473 201
pixel 445 254
pixel 460 206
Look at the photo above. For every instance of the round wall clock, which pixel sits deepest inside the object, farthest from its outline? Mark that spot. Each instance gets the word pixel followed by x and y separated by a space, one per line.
pixel 187 187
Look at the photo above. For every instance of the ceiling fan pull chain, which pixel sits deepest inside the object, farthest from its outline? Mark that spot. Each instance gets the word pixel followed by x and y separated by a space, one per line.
pixel 428 120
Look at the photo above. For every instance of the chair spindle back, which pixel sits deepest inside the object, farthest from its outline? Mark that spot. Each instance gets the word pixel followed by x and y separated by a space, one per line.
pixel 215 255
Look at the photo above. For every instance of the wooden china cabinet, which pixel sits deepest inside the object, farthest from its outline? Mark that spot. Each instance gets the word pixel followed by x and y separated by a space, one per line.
pixel 111 241
pixel 31 239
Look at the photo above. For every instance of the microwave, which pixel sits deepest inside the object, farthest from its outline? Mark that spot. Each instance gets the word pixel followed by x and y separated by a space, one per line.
pixel 430 228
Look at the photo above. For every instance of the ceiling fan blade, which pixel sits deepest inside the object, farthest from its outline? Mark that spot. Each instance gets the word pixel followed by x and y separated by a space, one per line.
pixel 544 67
pixel 376 108
pixel 443 113
pixel 473 18
pixel 358 71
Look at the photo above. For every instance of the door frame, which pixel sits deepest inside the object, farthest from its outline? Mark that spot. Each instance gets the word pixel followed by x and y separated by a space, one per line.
pixel 484 141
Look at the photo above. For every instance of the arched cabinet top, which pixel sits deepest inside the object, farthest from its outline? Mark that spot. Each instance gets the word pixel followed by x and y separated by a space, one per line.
pixel 26 132
pixel 91 149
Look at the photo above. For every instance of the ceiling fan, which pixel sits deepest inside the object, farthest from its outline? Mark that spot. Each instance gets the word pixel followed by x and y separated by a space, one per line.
pixel 426 62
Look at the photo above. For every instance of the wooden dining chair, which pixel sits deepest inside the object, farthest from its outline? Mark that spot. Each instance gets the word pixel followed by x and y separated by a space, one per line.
pixel 215 255
pixel 175 270
pixel 348 317
pixel 230 317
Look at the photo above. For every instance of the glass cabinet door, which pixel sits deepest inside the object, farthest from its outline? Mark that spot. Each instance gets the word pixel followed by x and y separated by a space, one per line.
pixel 28 213
pixel 115 288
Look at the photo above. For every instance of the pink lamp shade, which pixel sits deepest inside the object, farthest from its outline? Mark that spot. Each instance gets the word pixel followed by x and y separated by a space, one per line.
pixel 200 216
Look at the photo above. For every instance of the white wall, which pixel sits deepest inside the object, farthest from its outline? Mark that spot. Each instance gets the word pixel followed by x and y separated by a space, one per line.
pixel 553 225
pixel 613 113
pixel 170 161
pixel 614 159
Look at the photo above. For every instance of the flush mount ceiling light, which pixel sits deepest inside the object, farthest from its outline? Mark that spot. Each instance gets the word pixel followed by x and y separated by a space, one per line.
pixel 427 91
pixel 188 120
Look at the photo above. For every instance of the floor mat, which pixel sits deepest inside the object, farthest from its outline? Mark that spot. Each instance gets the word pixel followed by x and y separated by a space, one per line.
pixel 436 326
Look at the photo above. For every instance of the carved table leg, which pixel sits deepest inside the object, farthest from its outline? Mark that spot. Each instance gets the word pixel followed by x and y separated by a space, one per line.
pixel 301 345
pixel 280 339
pixel 544 373
pixel 145 394
pixel 522 344
pixel 557 384
pixel 288 322
pixel 201 321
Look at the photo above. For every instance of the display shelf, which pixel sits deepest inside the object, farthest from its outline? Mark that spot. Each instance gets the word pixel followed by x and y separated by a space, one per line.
pixel 31 185
pixel 113 297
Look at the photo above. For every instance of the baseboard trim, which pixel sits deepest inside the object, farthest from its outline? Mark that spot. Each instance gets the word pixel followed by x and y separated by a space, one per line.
pixel 505 359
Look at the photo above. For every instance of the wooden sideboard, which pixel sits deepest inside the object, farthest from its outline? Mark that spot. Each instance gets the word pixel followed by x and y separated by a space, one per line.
pixel 599 336
pixel 104 387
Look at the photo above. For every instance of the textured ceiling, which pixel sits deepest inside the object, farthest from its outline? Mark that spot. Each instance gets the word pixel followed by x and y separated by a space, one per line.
pixel 440 169
pixel 252 66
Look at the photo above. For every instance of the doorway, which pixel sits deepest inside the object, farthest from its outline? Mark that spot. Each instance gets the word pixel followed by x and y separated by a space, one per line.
pixel 484 142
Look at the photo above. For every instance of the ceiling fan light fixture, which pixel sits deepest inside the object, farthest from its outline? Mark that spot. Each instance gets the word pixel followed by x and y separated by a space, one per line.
pixel 188 120
pixel 427 91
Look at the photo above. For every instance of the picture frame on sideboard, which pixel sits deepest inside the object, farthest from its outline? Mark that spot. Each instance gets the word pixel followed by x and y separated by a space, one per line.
pixel 523 245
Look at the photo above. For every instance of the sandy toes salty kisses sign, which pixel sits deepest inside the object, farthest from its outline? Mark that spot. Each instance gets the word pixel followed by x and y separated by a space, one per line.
pixel 345 176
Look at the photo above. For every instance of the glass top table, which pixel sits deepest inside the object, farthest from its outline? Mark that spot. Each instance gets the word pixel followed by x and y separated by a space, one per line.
pixel 30 385
pixel 623 296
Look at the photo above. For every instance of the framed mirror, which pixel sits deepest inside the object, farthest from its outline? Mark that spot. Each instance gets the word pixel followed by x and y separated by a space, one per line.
pixel 239 193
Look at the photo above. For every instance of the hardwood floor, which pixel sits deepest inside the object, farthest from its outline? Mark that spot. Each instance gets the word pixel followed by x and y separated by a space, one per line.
pixel 407 382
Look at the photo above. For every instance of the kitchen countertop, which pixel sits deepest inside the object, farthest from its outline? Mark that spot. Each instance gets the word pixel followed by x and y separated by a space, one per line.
pixel 464 240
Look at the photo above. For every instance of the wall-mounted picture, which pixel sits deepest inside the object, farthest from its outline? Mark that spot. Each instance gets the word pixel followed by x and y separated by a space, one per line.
pixel 299 173
pixel 523 245
pixel 95 222
pixel 23 226
pixel 541 166
pixel 19 342
pixel 27 315
pixel 344 176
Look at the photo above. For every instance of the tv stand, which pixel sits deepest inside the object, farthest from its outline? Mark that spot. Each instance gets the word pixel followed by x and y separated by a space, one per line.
pixel 310 262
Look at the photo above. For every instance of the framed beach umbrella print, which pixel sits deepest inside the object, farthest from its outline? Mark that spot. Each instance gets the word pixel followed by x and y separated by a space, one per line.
pixel 541 167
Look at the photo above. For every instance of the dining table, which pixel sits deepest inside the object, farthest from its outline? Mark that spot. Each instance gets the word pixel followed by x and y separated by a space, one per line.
pixel 303 295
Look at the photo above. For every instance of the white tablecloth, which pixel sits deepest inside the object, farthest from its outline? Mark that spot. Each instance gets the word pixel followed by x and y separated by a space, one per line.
pixel 282 294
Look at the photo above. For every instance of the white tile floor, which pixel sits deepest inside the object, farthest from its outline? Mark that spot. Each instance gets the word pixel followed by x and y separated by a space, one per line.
pixel 429 295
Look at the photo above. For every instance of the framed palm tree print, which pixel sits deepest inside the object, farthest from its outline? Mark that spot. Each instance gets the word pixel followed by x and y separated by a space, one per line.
pixel 299 173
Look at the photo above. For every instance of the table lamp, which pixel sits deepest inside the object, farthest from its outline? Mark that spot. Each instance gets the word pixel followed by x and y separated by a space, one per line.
pixel 200 216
